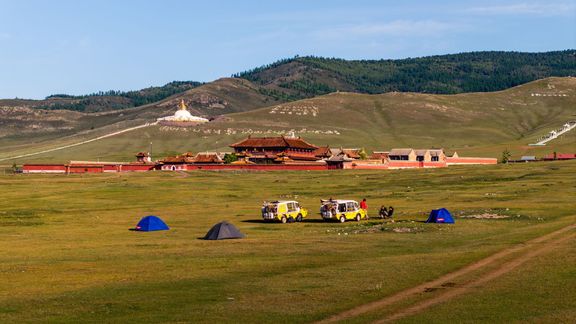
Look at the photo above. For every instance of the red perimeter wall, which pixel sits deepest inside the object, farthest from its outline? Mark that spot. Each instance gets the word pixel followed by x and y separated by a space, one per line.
pixel 470 160
pixel 396 164
pixel 560 156
pixel 257 167
pixel 137 167
pixel 367 166
pixel 85 169
pixel 80 168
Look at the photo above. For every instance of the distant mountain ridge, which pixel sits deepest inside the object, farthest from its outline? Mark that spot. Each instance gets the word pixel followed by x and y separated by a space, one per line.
pixel 305 77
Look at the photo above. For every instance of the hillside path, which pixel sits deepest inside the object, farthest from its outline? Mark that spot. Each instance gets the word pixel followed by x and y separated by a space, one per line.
pixel 79 143
pixel 527 250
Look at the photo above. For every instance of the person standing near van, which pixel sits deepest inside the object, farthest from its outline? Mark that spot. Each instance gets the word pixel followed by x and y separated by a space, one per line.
pixel 364 206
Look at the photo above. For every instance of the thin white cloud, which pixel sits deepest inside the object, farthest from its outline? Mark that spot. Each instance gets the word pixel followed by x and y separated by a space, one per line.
pixel 528 8
pixel 401 28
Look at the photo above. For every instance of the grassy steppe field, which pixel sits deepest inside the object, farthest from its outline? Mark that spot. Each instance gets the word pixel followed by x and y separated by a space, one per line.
pixel 66 254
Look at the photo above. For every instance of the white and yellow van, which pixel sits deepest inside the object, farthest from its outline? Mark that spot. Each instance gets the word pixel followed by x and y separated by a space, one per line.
pixel 341 210
pixel 284 211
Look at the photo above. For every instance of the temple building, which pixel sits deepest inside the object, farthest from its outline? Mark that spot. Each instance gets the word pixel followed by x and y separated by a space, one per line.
pixel 280 149
pixel 182 118
pixel 144 157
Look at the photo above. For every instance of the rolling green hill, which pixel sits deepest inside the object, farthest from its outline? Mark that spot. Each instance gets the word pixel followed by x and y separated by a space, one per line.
pixel 475 123
pixel 22 122
pixel 303 77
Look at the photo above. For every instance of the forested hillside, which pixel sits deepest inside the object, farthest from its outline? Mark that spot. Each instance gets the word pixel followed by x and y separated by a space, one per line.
pixel 305 77
pixel 113 100
pixel 302 77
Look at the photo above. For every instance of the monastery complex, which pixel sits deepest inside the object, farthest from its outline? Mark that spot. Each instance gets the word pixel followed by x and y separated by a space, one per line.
pixel 272 153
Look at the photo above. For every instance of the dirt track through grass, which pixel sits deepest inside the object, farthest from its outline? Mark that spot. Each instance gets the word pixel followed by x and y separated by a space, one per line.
pixel 79 143
pixel 542 244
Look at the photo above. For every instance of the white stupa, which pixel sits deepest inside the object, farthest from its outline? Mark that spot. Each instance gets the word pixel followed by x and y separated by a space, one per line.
pixel 182 117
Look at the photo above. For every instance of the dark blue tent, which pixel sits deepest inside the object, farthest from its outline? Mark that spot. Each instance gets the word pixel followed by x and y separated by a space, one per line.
pixel 223 230
pixel 441 215
pixel 151 223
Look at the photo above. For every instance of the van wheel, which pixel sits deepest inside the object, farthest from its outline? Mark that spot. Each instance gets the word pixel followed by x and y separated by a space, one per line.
pixel 283 219
pixel 342 219
pixel 358 217
pixel 299 218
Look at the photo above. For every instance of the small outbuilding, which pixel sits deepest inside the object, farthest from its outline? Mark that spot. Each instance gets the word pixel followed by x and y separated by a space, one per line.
pixel 528 158
pixel 222 231
pixel 402 154
pixel 441 215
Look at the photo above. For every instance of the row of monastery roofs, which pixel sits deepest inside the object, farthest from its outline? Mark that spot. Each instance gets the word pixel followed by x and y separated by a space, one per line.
pixel 272 153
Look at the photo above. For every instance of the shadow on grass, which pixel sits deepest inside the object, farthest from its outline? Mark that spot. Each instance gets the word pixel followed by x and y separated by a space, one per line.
pixel 212 240
pixel 261 221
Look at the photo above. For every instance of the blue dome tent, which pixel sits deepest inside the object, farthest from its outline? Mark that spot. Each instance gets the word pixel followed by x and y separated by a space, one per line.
pixel 441 215
pixel 151 223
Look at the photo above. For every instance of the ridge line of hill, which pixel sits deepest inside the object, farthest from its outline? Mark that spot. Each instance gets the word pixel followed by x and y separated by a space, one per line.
pixel 305 77
pixel 308 76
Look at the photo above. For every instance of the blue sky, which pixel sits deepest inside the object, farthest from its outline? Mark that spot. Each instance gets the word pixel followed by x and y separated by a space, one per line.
pixel 79 47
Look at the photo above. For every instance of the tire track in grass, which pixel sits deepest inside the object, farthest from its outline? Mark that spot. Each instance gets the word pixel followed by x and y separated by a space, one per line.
pixel 79 143
pixel 443 280
pixel 467 287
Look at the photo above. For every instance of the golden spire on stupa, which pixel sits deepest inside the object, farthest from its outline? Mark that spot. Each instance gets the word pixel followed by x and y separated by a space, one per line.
pixel 182 105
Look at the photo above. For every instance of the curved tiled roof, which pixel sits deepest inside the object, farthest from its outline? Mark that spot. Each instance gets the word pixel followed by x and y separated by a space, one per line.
pixel 207 158
pixel 187 157
pixel 281 141
pixel 323 152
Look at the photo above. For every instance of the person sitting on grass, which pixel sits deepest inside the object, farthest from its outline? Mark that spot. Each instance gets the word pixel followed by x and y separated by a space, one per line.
pixel 390 211
pixel 383 212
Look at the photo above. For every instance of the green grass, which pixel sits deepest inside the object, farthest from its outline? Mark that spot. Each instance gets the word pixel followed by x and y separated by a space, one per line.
pixel 66 254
